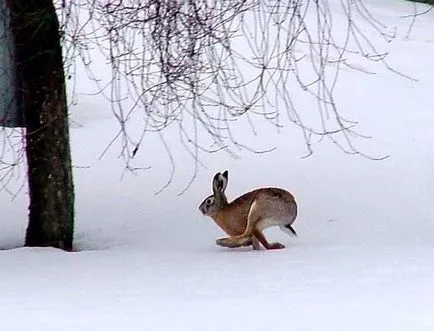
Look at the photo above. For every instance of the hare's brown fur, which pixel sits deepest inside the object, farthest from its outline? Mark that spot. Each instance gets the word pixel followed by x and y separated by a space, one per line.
pixel 246 217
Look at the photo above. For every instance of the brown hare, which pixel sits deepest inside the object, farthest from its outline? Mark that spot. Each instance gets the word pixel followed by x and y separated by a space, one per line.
pixel 246 217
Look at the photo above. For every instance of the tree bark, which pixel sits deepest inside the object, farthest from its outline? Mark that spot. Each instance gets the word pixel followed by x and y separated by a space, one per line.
pixel 41 82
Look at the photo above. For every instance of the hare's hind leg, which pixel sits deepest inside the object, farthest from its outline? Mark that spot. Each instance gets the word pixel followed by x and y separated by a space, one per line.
pixel 244 239
pixel 260 236
pixel 253 232
pixel 255 243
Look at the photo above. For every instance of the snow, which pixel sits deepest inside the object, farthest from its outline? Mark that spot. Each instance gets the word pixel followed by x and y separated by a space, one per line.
pixel 362 260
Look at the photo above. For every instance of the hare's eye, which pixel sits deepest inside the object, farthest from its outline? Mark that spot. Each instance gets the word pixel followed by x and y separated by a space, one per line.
pixel 208 201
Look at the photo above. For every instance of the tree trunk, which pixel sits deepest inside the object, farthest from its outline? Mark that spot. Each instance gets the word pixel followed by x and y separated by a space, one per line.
pixel 42 92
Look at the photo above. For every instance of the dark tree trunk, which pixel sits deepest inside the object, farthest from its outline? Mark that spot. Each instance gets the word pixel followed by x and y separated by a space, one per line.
pixel 42 89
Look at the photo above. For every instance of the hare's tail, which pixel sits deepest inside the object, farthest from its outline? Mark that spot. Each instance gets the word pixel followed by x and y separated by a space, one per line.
pixel 288 229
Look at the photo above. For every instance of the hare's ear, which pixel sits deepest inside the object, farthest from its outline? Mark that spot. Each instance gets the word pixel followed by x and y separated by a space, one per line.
pixel 220 182
pixel 225 175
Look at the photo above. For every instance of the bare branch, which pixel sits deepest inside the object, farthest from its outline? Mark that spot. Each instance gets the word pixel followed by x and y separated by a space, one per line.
pixel 204 67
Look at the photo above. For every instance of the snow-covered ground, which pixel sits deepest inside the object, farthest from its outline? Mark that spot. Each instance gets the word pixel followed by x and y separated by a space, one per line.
pixel 363 259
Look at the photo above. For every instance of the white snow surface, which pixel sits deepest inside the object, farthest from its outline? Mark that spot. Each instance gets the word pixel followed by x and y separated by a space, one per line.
pixel 363 259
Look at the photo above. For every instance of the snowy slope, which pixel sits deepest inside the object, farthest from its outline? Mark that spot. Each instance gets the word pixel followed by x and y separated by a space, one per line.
pixel 362 261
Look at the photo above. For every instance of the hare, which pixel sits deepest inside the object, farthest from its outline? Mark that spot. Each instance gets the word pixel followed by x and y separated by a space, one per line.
pixel 246 217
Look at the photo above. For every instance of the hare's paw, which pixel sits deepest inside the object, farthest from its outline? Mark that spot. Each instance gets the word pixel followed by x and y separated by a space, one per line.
pixel 232 242
pixel 276 246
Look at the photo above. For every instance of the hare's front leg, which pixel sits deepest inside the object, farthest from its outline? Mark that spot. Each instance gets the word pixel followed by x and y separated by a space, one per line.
pixel 253 240
pixel 233 242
